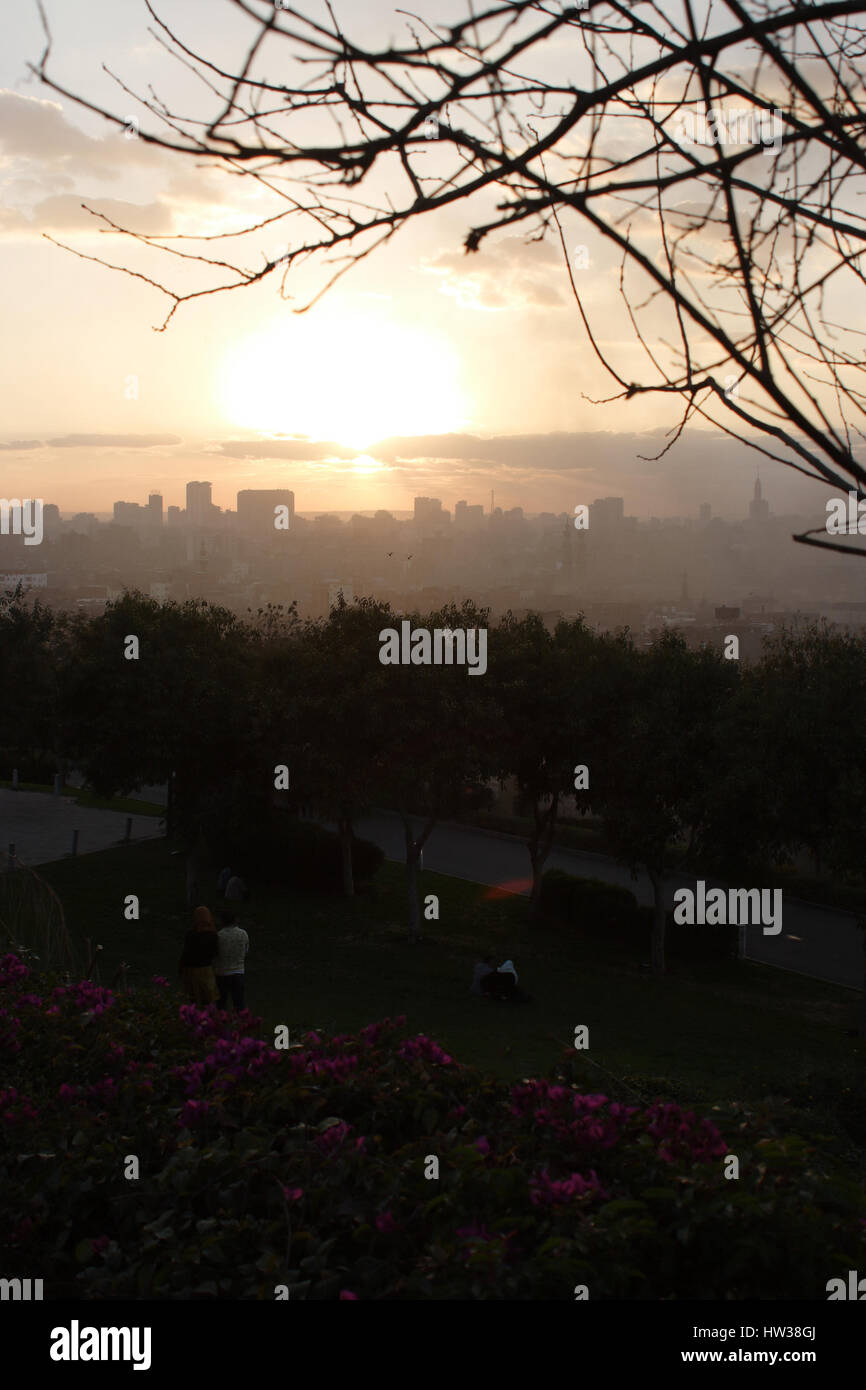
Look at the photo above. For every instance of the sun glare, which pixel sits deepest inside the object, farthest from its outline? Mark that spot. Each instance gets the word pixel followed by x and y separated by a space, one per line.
pixel 351 379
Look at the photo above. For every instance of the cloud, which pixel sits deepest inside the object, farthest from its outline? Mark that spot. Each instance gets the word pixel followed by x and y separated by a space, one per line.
pixel 44 158
pixel 19 444
pixel 35 129
pixel 113 441
pixel 505 274
pixel 65 212
pixel 300 449
pixel 558 452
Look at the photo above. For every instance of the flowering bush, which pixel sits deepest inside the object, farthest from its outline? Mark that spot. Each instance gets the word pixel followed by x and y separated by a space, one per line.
pixel 307 1167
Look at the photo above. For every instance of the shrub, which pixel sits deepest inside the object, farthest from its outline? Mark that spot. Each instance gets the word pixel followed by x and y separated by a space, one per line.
pixel 306 1168
pixel 270 845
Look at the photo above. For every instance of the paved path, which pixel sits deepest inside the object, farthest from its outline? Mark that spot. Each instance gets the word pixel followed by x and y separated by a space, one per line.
pixel 40 826
pixel 815 941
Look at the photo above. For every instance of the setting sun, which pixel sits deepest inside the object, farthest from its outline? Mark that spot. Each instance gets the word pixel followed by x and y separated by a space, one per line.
pixel 351 378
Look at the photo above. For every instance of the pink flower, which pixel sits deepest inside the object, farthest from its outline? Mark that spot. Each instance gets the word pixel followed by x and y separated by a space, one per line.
pixel 99 1243
pixel 292 1194
pixel 347 1293
pixel 192 1112
pixel 482 1145
pixel 386 1222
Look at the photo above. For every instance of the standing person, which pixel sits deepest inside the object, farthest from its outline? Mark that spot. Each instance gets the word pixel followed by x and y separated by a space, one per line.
pixel 196 961
pixel 236 890
pixel 233 946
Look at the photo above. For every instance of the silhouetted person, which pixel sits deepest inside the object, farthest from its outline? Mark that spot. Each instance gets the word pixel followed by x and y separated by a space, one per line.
pixel 502 984
pixel 197 958
pixel 482 967
pixel 223 879
pixel 236 890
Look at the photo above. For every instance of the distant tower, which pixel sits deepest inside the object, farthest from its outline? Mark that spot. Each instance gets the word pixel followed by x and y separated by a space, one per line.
pixel 198 504
pixel 759 509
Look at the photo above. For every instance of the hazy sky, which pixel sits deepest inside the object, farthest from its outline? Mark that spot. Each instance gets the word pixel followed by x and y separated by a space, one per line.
pixel 419 342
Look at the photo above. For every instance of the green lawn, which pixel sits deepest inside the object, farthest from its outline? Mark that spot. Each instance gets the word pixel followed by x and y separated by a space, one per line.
pixel 703 1034
pixel 129 804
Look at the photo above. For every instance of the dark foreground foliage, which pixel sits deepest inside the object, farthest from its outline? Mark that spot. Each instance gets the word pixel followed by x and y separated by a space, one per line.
pixel 303 1167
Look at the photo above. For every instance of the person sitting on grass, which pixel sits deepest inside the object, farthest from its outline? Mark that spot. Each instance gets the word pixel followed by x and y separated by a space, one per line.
pixel 482 968
pixel 502 984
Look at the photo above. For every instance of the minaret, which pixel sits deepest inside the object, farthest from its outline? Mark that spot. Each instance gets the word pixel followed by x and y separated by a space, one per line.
pixel 759 509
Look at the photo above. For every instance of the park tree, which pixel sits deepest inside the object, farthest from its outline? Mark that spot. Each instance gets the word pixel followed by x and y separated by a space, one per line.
pixel 178 712
pixel 33 649
pixel 809 687
pixel 556 693
pixel 442 736
pixel 659 789
pixel 340 712
pixel 712 150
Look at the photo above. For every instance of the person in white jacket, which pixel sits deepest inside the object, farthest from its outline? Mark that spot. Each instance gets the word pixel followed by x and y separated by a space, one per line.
pixel 233 945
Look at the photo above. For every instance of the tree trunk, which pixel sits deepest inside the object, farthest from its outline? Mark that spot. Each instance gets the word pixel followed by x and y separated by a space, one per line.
pixel 413 853
pixel 537 859
pixel 539 848
pixel 413 857
pixel 658 933
pixel 195 868
pixel 345 827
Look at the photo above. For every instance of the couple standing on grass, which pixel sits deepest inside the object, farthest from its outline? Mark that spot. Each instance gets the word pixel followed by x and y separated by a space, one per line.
pixel 212 963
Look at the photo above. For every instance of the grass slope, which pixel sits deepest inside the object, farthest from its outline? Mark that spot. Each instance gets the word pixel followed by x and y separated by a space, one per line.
pixel 704 1033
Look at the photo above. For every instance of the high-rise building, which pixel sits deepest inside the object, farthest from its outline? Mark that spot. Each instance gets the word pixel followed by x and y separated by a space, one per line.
pixel 705 512
pixel 759 508
pixel 605 513
pixel 199 507
pixel 154 508
pixel 173 516
pixel 128 514
pixel 257 510
pixel 51 523
pixel 468 518
pixel 429 516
